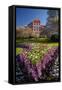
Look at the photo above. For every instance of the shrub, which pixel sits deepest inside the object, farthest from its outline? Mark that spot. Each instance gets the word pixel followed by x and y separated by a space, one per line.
pixel 54 38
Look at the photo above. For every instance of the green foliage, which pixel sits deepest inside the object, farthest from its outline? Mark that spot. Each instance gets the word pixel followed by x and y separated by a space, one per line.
pixel 19 51
pixel 37 51
pixel 54 38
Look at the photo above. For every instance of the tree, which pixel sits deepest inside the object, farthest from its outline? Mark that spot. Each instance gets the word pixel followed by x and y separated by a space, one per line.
pixel 52 26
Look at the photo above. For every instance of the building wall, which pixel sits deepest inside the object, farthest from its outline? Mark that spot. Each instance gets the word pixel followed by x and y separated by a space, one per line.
pixel 35 25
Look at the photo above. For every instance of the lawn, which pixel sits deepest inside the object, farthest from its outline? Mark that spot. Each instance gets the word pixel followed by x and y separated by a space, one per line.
pixel 38 40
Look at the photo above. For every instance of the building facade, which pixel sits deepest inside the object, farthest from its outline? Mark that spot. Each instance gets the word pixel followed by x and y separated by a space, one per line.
pixel 35 25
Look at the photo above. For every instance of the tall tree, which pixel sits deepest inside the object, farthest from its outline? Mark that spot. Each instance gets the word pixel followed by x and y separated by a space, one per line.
pixel 52 22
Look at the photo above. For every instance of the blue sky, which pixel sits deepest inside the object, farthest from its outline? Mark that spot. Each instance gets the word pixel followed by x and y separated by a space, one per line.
pixel 25 15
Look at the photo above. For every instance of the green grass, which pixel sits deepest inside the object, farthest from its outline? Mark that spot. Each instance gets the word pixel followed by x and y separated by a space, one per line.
pixel 38 40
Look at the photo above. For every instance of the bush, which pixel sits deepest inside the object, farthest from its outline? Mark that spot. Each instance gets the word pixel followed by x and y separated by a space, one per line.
pixel 54 38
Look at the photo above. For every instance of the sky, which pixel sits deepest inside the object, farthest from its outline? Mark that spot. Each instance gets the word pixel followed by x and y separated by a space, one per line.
pixel 25 15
